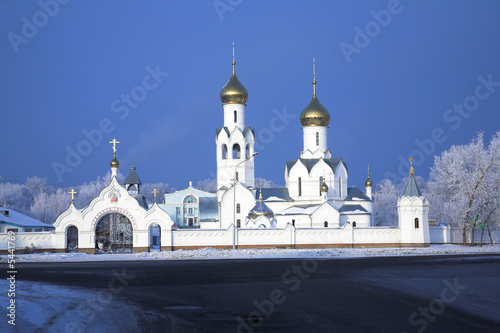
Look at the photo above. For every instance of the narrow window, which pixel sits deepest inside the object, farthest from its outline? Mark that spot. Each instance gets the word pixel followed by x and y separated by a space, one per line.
pixel 317 139
pixel 235 116
pixel 248 151
pixel 300 186
pixel 238 208
pixel 320 183
pixel 354 224
pixel 293 223
pixel 238 223
pixel 416 223
pixel 326 224
pixel 237 178
pixel 224 152
pixel 340 187
pixel 236 151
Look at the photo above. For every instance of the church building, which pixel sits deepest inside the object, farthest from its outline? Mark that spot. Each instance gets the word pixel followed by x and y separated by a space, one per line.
pixel 316 193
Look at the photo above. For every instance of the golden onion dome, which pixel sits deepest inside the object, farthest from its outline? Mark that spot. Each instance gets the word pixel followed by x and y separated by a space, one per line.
pixel 368 182
pixel 314 113
pixel 324 188
pixel 233 91
pixel 114 162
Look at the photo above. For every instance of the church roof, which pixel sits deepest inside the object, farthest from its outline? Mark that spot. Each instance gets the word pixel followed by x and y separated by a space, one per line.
pixel 300 210
pixel 246 129
pixel 412 189
pixel 132 177
pixel 309 163
pixel 353 209
pixel 260 209
pixel 354 193
pixel 142 201
pixel 274 194
pixel 209 209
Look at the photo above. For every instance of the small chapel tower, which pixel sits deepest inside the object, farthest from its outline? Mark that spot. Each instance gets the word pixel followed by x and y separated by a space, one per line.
pixel 234 141
pixel 413 212
pixel 132 182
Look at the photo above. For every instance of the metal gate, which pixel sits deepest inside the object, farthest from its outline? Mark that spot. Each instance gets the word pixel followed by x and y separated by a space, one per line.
pixel 72 239
pixel 113 234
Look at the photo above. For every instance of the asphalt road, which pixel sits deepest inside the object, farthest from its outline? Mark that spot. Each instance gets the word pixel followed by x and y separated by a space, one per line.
pixel 391 294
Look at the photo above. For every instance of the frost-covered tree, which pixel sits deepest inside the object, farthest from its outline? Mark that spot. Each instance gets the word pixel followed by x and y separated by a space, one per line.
pixel 385 204
pixel 88 191
pixel 47 207
pixel 162 188
pixel 459 181
pixel 265 183
pixel 207 185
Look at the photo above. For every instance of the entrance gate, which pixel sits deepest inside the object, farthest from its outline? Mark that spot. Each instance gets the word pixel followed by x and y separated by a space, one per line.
pixel 113 234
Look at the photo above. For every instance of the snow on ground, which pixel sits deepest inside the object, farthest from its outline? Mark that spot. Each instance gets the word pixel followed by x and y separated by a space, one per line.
pixel 210 253
pixel 42 307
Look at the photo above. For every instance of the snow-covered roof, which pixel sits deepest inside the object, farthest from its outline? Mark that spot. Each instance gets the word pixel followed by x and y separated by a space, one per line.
pixel 300 210
pixel 352 209
pixel 12 217
pixel 274 194
pixel 355 194
pixel 309 163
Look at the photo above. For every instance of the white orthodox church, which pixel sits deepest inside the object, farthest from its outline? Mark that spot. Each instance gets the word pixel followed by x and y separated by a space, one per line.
pixel 316 193
pixel 317 208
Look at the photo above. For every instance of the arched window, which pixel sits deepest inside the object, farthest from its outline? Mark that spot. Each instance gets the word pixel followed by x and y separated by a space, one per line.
pixel 416 223
pixel 224 152
pixel 354 224
pixel 190 199
pixel 238 223
pixel 72 239
pixel 326 224
pixel 235 116
pixel 320 183
pixel 238 208
pixel 317 139
pixel 248 151
pixel 236 151
pixel 300 186
pixel 293 223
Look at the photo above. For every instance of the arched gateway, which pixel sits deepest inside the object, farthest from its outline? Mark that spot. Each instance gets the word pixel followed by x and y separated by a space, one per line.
pixel 113 234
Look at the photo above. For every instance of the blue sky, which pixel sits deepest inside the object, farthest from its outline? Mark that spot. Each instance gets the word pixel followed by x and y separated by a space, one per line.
pixel 390 89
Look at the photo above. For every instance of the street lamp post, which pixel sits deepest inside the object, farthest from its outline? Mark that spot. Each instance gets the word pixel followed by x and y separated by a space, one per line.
pixel 234 197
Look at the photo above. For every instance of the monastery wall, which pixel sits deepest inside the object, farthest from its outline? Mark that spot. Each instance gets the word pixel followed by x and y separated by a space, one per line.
pixel 290 237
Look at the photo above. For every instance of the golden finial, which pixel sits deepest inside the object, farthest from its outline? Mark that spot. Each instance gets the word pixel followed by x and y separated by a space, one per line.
pixel 411 166
pixel 154 193
pixel 72 192
pixel 260 190
pixel 314 77
pixel 114 142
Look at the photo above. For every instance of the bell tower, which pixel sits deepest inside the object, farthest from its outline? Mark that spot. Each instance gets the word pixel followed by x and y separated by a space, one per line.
pixel 234 141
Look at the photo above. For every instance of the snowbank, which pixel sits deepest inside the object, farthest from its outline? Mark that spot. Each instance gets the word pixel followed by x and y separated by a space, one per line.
pixel 210 253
